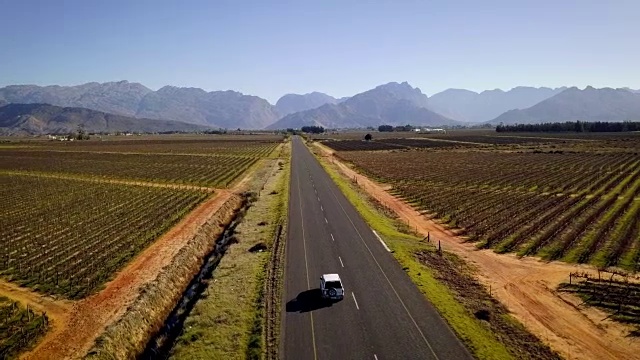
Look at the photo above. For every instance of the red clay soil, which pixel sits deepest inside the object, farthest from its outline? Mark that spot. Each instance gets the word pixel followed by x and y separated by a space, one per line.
pixel 526 286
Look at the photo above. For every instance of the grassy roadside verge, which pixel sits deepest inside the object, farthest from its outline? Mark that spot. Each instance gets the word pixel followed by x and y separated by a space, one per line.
pixel 270 303
pixel 228 320
pixel 498 337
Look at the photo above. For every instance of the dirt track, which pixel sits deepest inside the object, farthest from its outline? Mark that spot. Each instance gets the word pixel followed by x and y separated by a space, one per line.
pixel 526 287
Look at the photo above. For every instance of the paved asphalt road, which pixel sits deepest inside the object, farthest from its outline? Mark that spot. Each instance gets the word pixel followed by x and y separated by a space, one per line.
pixel 383 315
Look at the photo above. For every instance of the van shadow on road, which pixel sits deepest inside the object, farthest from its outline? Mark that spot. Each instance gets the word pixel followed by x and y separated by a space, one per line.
pixel 308 300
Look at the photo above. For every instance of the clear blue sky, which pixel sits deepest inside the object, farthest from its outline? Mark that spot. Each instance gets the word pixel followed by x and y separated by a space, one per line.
pixel 269 48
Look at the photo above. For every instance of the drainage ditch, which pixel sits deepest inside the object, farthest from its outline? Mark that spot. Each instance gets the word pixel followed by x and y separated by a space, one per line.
pixel 160 345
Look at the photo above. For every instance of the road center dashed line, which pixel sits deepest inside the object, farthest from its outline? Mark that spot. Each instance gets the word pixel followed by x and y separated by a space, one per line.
pixel 354 300
pixel 375 357
pixel 321 208
pixel 341 263
pixel 325 220
pixel 332 238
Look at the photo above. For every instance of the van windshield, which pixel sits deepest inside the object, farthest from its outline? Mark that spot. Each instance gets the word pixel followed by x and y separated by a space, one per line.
pixel 333 284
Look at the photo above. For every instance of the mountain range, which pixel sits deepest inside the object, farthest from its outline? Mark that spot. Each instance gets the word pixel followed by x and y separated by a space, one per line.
pixel 574 104
pixel 224 109
pixel 393 104
pixel 49 119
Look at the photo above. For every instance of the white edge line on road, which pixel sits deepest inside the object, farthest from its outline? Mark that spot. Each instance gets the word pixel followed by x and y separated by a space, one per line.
pixel 382 241
pixel 341 263
pixel 354 300
pixel 332 238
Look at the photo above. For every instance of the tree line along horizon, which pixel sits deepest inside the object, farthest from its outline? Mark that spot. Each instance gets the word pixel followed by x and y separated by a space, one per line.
pixel 568 126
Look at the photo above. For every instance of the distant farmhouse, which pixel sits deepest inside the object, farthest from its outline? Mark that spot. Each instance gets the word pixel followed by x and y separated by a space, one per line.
pixel 60 137
pixel 430 131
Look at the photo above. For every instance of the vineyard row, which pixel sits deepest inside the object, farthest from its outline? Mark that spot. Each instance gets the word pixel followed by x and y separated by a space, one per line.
pixel 67 237
pixel 578 207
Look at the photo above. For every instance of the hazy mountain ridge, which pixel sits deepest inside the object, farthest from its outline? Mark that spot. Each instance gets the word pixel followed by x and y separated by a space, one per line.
pixel 292 103
pixel 44 118
pixel 227 109
pixel 392 103
pixel 114 97
pixel 466 105
pixel 573 104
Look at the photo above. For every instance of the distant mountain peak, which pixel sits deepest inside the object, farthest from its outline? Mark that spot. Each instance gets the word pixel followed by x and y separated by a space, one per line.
pixel 466 105
pixel 399 91
pixel 292 103
pixel 392 103
pixel 394 85
pixel 171 88
pixel 590 104
pixel 498 91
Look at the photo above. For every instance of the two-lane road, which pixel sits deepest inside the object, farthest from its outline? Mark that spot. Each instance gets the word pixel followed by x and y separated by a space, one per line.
pixel 383 315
